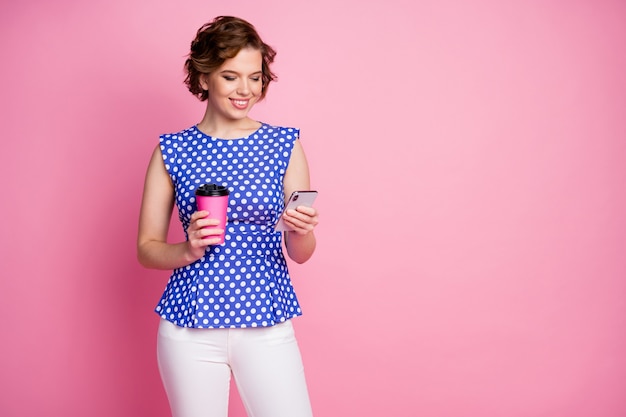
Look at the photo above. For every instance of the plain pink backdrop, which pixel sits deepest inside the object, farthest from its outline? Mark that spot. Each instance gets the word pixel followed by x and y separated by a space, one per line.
pixel 471 163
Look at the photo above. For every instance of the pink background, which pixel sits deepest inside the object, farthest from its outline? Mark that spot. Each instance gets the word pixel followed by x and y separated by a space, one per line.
pixel 471 163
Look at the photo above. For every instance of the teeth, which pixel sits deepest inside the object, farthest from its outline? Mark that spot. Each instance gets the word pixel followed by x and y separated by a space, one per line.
pixel 240 103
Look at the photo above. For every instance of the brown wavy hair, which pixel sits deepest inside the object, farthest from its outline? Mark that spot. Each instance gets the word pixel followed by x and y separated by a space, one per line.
pixel 219 40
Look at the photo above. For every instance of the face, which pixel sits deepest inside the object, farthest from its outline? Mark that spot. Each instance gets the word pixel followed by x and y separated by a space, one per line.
pixel 236 85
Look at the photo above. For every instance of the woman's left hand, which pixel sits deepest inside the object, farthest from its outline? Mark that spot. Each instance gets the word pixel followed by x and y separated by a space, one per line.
pixel 302 220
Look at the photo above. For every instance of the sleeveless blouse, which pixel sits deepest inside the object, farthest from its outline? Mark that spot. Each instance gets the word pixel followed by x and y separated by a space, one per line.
pixel 245 281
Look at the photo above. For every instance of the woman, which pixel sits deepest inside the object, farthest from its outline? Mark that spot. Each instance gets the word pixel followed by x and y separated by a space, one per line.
pixel 227 308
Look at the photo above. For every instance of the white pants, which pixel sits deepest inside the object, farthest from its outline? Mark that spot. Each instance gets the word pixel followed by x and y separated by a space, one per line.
pixel 196 366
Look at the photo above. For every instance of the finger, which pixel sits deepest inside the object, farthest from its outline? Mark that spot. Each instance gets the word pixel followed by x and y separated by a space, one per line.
pixel 205 237
pixel 211 231
pixel 199 215
pixel 205 221
pixel 196 240
pixel 294 215
pixel 309 211
pixel 202 233
pixel 303 225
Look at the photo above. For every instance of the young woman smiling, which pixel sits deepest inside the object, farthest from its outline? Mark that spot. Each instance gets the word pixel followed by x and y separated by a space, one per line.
pixel 227 308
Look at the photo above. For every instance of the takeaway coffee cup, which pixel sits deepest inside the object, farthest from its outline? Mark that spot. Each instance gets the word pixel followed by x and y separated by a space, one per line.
pixel 214 199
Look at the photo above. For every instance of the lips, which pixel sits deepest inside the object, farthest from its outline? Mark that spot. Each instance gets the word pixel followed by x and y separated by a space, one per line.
pixel 240 104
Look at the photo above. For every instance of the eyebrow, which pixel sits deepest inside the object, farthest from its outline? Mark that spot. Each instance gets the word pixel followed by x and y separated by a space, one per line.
pixel 235 72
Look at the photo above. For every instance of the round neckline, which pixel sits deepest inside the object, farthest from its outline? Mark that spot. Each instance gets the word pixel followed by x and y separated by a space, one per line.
pixel 195 127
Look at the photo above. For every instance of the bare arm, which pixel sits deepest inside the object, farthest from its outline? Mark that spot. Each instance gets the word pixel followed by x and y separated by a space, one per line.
pixel 153 251
pixel 300 243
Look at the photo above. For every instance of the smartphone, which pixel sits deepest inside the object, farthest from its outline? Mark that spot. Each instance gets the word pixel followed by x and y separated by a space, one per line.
pixel 298 198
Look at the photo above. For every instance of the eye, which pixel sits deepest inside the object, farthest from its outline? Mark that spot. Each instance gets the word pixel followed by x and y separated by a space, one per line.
pixel 255 79
pixel 229 78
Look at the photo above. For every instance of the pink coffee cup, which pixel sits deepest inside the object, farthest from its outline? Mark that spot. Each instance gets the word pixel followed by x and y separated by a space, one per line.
pixel 214 199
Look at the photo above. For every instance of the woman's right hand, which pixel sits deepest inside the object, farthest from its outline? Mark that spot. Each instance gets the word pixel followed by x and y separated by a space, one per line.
pixel 200 236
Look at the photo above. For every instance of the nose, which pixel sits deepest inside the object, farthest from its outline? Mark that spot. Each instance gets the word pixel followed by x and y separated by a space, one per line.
pixel 243 88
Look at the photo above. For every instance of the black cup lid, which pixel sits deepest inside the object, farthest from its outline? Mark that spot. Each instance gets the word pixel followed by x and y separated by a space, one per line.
pixel 211 190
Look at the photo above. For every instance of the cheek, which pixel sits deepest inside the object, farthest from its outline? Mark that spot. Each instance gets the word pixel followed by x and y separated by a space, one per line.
pixel 257 88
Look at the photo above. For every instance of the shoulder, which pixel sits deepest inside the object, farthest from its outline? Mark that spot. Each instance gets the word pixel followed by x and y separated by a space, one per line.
pixel 178 136
pixel 286 132
pixel 172 143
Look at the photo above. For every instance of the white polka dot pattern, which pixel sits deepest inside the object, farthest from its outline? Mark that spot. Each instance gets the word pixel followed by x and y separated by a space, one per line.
pixel 245 281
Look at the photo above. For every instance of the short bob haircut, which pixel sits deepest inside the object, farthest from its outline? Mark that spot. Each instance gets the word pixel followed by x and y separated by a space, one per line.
pixel 218 41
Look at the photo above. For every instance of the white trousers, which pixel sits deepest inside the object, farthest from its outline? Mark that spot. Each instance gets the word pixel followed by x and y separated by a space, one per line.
pixel 196 365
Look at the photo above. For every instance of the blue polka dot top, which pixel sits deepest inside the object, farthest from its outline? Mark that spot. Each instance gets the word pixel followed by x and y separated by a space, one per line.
pixel 243 282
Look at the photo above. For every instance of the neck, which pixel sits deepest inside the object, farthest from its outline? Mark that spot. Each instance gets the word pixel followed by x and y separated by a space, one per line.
pixel 216 126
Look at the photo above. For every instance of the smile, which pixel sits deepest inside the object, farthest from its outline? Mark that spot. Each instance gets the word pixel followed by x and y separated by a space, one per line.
pixel 240 104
